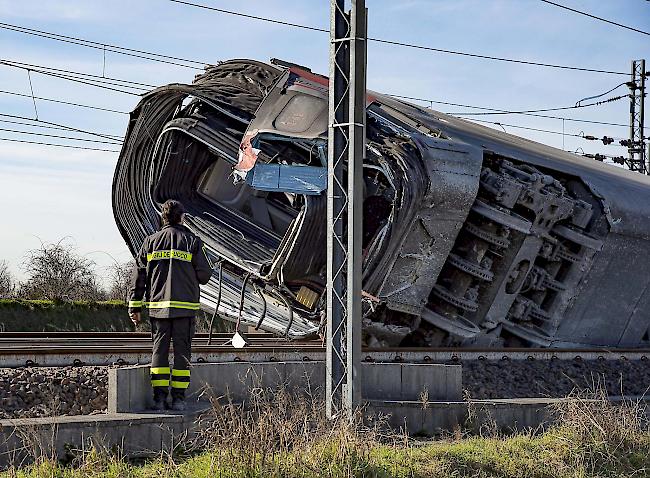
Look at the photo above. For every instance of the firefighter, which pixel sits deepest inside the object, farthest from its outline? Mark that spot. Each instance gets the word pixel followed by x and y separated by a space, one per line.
pixel 169 268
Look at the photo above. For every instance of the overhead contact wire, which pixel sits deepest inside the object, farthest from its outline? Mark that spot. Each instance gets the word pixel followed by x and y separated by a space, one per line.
pixel 498 123
pixel 399 43
pixel 69 78
pixel 66 127
pixel 577 120
pixel 60 145
pixel 80 105
pixel 103 46
pixel 611 22
pixel 59 137
pixel 99 78
pixel 562 108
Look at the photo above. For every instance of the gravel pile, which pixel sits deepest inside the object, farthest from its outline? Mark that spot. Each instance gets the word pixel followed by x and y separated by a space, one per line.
pixel 554 378
pixel 45 391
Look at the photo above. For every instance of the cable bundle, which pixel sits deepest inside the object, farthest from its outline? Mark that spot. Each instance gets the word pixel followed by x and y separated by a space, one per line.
pixel 175 134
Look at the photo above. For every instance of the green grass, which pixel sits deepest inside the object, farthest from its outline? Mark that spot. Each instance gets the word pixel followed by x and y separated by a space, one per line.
pixel 557 453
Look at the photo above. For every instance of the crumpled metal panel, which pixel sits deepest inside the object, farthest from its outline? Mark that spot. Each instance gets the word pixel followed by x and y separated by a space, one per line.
pixel 453 170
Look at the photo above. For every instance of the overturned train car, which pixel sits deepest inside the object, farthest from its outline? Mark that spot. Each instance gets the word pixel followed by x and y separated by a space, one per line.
pixel 471 237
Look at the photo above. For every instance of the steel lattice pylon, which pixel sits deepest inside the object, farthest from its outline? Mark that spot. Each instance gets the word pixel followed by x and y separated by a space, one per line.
pixel 346 148
pixel 637 160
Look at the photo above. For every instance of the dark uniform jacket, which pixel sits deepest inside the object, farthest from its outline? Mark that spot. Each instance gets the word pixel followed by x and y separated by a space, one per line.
pixel 169 268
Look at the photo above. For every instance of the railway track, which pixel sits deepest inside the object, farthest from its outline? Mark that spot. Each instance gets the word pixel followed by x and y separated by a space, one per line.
pixel 130 348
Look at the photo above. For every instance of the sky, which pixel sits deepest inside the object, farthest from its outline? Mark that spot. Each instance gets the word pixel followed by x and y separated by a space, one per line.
pixel 50 193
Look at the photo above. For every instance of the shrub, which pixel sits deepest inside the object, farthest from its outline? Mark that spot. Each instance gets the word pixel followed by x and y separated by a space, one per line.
pixel 55 271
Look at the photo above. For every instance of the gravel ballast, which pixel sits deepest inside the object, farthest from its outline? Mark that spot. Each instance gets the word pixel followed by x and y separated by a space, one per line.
pixel 484 379
pixel 47 391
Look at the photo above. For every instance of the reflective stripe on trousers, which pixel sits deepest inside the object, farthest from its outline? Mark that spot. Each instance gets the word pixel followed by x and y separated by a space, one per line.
pixel 180 378
pixel 160 376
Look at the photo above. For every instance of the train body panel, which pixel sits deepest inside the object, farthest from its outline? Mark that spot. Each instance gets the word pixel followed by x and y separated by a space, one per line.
pixel 470 236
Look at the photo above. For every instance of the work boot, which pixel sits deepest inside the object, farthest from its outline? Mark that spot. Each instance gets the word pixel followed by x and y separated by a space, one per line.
pixel 160 400
pixel 179 404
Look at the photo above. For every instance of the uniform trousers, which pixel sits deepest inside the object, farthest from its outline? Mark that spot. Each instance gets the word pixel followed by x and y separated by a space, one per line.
pixel 178 331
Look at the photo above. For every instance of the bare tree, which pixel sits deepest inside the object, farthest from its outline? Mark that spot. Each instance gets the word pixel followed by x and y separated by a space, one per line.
pixel 7 283
pixel 121 277
pixel 55 271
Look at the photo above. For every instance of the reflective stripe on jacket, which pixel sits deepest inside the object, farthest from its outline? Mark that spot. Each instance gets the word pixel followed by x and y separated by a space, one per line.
pixel 169 268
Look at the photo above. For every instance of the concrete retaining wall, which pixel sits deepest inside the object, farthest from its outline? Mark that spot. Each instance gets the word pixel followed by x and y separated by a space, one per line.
pixel 147 434
pixel 129 388
pixel 24 440
pixel 433 418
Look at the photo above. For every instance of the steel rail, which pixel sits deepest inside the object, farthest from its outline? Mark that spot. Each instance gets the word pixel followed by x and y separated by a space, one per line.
pixel 123 348
pixel 115 335
pixel 10 341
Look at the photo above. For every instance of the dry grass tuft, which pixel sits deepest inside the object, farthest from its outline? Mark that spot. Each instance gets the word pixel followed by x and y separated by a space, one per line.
pixel 601 434
pixel 277 431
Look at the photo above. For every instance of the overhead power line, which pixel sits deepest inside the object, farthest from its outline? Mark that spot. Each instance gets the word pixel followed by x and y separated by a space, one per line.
pixel 25 123
pixel 143 86
pixel 39 68
pixel 601 94
pixel 36 133
pixel 529 128
pixel 59 145
pixel 58 128
pixel 499 110
pixel 66 127
pixel 80 105
pixel 595 17
pixel 82 78
pixel 101 79
pixel 562 108
pixel 425 100
pixel 398 43
pixel 75 75
pixel 146 55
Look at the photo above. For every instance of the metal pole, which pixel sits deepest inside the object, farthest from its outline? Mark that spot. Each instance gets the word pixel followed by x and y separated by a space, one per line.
pixel 630 149
pixel 346 147
pixel 636 149
pixel 356 155
pixel 641 122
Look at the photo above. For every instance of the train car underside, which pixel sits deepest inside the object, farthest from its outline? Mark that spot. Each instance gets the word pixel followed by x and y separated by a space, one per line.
pixel 463 245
